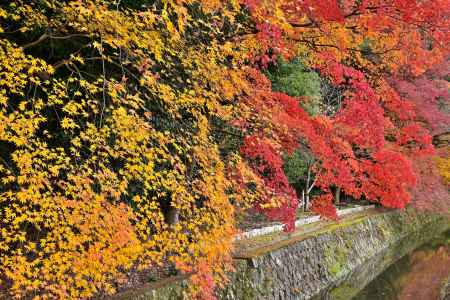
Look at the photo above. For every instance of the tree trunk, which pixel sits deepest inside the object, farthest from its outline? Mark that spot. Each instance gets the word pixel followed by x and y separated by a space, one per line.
pixel 338 195
pixel 303 200
pixel 172 216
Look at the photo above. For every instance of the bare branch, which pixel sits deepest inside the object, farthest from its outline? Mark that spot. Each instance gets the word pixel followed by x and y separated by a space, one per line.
pixel 46 36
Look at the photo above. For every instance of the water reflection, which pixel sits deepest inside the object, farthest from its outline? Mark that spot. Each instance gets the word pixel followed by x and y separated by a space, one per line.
pixel 418 275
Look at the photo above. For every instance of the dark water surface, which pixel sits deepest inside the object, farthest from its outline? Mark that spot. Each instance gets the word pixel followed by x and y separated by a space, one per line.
pixel 417 275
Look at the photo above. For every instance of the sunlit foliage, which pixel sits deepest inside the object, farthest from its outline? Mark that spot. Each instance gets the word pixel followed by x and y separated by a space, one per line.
pixel 107 162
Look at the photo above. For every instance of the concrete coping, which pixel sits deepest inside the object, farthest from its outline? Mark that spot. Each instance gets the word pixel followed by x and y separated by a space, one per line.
pixel 303 221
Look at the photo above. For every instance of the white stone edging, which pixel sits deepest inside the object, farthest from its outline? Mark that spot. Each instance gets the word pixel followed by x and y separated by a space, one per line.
pixel 279 227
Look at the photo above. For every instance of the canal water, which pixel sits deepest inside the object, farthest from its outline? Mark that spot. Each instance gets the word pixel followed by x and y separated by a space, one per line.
pixel 406 272
pixel 417 275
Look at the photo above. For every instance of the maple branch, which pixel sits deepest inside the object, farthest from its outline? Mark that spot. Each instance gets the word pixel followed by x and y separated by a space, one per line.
pixel 312 22
pixel 39 40
pixel 46 36
pixel 7 165
pixel 312 44
pixel 228 132
pixel 441 138
pixel 13 31
pixel 104 83
pixel 355 12
pixel 312 185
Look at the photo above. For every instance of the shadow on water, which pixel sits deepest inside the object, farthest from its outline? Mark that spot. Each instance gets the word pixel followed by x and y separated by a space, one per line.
pixel 412 269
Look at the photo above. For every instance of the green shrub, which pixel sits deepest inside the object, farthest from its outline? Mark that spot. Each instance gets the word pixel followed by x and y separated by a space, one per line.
pixel 294 79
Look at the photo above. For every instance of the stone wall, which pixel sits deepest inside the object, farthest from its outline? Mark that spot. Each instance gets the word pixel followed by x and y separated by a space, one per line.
pixel 320 264
pixel 445 290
